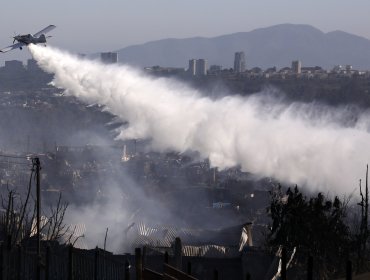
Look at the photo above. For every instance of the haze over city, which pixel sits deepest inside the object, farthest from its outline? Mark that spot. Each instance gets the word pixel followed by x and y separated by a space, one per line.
pixel 95 26
pixel 185 140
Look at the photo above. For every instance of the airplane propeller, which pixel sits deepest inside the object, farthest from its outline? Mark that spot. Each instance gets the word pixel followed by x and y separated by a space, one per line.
pixel 15 34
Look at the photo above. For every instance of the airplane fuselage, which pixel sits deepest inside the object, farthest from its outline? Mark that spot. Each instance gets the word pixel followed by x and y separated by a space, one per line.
pixel 29 39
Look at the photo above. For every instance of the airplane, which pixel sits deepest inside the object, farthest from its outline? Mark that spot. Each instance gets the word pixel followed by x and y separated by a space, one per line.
pixel 24 40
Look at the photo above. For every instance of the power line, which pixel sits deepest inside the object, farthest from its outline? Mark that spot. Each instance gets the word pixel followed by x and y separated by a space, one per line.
pixel 18 163
pixel 18 157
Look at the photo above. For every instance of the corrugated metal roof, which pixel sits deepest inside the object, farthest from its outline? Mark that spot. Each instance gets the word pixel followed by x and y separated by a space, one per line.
pixel 210 251
pixel 75 234
pixel 164 236
pixel 78 235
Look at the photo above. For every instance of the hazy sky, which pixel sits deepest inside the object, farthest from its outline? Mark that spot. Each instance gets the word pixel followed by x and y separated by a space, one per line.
pixel 88 26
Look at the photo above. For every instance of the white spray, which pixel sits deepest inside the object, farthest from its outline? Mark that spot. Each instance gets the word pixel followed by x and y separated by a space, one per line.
pixel 288 142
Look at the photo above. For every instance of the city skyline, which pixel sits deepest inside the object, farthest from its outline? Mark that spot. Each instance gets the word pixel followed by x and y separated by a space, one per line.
pixel 92 26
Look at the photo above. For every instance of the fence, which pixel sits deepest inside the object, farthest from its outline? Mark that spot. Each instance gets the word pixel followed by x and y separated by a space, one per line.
pixel 65 262
pixel 60 262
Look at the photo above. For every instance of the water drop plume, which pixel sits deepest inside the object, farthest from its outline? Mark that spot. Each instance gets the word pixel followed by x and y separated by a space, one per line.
pixel 296 143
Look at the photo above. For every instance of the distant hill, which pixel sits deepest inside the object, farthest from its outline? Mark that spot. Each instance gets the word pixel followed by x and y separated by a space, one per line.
pixel 265 47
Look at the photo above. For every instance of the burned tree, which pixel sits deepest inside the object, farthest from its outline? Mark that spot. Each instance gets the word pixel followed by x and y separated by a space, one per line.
pixel 21 222
pixel 363 234
pixel 315 227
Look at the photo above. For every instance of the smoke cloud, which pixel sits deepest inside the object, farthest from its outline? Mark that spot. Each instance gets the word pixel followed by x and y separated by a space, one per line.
pixel 296 143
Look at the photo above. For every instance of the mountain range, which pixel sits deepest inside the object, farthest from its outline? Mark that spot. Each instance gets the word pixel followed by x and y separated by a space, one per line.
pixel 276 46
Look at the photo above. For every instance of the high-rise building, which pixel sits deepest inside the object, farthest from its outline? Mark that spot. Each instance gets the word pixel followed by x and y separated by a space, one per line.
pixel 109 57
pixel 33 66
pixel 239 62
pixel 201 67
pixel 197 67
pixel 192 67
pixel 296 67
pixel 14 65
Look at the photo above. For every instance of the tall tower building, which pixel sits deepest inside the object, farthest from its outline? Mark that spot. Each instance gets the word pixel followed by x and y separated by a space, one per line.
pixel 14 67
pixel 109 57
pixel 197 67
pixel 192 67
pixel 33 66
pixel 296 67
pixel 201 67
pixel 239 62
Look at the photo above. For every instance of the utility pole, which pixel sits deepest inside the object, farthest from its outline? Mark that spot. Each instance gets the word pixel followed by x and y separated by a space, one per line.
pixel 37 166
pixel 364 232
pixel 366 207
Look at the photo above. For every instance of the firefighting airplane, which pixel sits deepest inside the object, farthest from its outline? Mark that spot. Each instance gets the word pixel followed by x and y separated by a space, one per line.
pixel 24 40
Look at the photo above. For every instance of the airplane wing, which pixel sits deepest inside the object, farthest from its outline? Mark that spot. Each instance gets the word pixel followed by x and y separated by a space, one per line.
pixel 45 30
pixel 12 47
